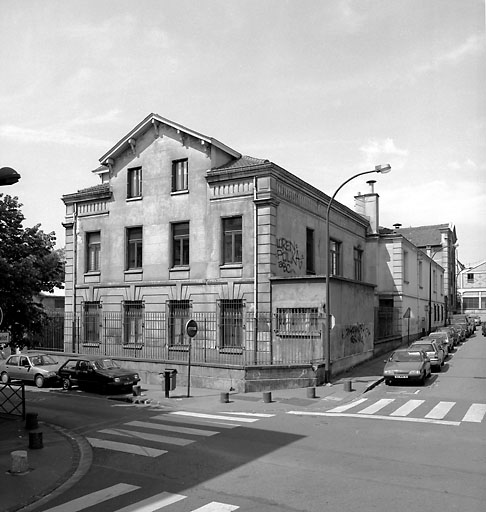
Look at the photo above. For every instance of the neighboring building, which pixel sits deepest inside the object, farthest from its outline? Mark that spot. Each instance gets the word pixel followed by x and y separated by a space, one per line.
pixel 181 227
pixel 410 295
pixel 471 287
pixel 439 241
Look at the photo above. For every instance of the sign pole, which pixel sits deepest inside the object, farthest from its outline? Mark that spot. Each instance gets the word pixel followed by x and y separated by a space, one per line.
pixel 191 331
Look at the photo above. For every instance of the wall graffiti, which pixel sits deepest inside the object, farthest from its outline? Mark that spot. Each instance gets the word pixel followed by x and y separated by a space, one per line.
pixel 289 257
pixel 357 333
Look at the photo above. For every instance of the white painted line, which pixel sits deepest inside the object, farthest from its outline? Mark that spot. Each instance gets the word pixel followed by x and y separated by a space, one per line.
pixel 377 406
pixel 256 414
pixel 345 407
pixel 166 418
pixel 475 413
pixel 440 410
pixel 94 498
pixel 172 428
pixel 214 506
pixel 156 438
pixel 124 447
pixel 375 417
pixel 154 503
pixel 212 416
pixel 407 408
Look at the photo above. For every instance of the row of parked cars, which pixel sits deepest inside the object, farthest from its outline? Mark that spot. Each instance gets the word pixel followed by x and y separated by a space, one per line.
pixel 101 373
pixel 416 362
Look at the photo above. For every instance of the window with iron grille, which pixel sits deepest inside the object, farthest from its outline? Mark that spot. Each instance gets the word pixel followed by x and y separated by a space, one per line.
pixel 358 264
pixel 134 182
pixel 179 175
pixel 335 254
pixel 470 302
pixel 93 249
pixel 134 248
pixel 91 322
pixel 297 321
pixel 232 240
pixel 310 265
pixel 180 244
pixel 179 314
pixel 133 323
pixel 231 323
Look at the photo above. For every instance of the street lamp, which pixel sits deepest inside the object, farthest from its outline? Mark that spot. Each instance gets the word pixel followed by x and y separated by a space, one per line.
pixel 8 176
pixel 383 169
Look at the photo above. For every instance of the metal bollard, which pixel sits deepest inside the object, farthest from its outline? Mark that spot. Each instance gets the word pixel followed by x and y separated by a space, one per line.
pixel 348 385
pixel 35 440
pixel 19 462
pixel 267 397
pixel 31 420
pixel 137 390
pixel 311 392
pixel 224 398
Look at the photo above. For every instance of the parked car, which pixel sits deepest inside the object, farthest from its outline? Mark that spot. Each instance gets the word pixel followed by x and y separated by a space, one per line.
pixel 461 331
pixel 102 373
pixel 445 338
pixel 407 364
pixel 36 367
pixel 433 351
pixel 453 332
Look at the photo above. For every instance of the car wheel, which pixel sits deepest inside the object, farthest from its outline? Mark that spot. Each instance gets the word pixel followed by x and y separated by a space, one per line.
pixel 5 378
pixel 66 384
pixel 424 377
pixel 39 381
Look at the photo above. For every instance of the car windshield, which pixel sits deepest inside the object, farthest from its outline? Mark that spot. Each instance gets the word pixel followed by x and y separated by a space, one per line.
pixel 426 347
pixel 42 360
pixel 406 357
pixel 438 335
pixel 105 364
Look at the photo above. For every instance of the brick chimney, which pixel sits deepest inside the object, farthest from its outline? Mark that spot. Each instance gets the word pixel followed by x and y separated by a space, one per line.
pixel 367 205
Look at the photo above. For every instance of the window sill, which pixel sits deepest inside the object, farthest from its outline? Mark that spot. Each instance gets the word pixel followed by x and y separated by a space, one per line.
pixel 180 269
pixel 231 265
pixel 179 192
pixel 178 348
pixel 135 346
pixel 91 273
pixel 298 334
pixel 131 199
pixel 134 271
pixel 91 344
pixel 231 350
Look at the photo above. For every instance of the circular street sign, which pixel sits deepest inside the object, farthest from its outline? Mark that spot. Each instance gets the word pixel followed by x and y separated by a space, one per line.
pixel 191 328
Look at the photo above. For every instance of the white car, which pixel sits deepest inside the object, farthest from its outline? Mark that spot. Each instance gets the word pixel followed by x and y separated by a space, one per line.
pixel 37 368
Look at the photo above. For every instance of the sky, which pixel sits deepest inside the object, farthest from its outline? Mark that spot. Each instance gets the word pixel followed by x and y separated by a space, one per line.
pixel 324 89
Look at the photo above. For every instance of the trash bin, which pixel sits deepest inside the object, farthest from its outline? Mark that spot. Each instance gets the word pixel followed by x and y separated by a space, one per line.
pixel 169 380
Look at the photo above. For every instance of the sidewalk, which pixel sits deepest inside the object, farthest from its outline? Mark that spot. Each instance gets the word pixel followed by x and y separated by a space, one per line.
pixel 65 457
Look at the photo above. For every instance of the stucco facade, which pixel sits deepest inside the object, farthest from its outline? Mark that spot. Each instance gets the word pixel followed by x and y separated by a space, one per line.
pixel 184 226
pixel 471 287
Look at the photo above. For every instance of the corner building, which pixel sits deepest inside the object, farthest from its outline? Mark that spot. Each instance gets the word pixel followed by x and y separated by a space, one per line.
pixel 183 227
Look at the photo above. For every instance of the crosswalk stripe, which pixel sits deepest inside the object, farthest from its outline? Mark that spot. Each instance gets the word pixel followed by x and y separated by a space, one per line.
pixel 154 503
pixel 256 414
pixel 376 406
pixel 345 407
pixel 215 506
pixel 212 416
pixel 125 447
pixel 440 410
pixel 221 425
pixel 172 428
pixel 94 498
pixel 475 413
pixel 146 436
pixel 407 408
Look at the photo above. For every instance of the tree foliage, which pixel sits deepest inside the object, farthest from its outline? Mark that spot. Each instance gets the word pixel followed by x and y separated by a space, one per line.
pixel 29 265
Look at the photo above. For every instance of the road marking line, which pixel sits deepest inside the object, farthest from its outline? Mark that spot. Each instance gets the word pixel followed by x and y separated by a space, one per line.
pixel 345 407
pixel 166 418
pixel 212 416
pixel 172 428
pixel 256 414
pixel 440 410
pixel 377 406
pixel 475 413
pixel 178 441
pixel 407 408
pixel 215 506
pixel 154 503
pixel 375 417
pixel 94 498
pixel 124 447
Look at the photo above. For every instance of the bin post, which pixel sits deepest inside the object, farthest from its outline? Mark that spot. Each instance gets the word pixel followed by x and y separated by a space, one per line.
pixel 167 383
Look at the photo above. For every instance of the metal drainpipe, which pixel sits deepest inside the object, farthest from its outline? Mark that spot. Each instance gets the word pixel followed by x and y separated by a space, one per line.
pixel 255 271
pixel 75 266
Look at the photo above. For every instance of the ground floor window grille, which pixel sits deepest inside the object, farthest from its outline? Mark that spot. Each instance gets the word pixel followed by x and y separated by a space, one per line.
pixel 297 321
pixel 179 315
pixel 133 323
pixel 91 322
pixel 231 323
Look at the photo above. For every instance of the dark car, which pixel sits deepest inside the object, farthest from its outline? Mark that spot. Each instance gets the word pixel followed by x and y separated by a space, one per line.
pixel 101 373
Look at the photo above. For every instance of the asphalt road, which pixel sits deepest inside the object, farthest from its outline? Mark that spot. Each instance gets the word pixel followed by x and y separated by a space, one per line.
pixel 401 448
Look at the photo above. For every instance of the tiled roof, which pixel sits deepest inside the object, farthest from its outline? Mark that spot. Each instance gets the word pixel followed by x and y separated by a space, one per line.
pixel 103 187
pixel 242 162
pixel 422 236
